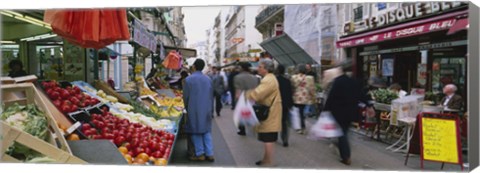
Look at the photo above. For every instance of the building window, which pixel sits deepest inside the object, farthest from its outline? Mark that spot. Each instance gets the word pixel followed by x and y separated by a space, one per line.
pixel 358 14
pixel 381 6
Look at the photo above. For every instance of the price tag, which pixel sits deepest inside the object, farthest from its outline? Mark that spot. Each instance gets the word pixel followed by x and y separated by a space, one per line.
pixel 73 127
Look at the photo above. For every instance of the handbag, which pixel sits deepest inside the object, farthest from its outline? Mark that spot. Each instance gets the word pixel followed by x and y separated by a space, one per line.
pixel 262 111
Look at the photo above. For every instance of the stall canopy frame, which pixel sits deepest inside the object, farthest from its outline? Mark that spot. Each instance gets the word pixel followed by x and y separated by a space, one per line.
pixel 286 51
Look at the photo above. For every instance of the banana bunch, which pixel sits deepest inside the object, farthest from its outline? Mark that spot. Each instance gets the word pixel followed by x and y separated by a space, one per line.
pixel 124 107
pixel 138 68
pixel 103 95
pixel 145 91
pixel 168 101
pixel 174 112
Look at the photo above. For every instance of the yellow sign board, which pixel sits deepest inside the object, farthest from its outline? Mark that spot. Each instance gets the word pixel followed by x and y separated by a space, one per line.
pixel 439 138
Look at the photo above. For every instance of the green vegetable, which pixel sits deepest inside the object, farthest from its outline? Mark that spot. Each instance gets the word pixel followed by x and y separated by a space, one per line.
pixel 41 160
pixel 140 108
pixel 30 120
pixel 384 96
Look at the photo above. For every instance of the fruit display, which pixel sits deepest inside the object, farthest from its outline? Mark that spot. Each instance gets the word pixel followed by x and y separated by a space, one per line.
pixel 69 99
pixel 170 111
pixel 170 102
pixel 161 124
pixel 138 143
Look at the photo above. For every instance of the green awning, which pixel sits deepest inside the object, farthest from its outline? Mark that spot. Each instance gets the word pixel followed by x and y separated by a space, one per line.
pixel 286 51
pixel 14 29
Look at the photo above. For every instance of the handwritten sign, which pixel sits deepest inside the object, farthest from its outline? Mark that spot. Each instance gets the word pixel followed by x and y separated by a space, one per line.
pixel 439 140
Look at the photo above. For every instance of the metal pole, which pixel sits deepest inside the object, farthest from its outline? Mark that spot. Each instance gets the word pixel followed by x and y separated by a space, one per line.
pixel 95 65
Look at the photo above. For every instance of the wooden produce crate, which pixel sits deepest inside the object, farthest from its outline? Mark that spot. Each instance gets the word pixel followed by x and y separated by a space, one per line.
pixel 26 93
pixel 10 135
pixel 100 85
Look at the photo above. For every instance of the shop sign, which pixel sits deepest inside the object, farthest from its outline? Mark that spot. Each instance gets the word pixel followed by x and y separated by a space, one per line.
pixel 143 37
pixel 415 48
pixel 399 33
pixel 406 13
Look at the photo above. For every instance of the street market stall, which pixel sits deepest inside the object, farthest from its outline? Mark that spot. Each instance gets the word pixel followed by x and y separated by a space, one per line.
pixel 92 123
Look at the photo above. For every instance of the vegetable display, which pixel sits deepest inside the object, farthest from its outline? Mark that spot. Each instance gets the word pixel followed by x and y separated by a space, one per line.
pixel 30 120
pixel 136 141
pixel 69 99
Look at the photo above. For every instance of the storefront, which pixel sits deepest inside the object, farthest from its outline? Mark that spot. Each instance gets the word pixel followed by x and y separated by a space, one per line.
pixel 421 45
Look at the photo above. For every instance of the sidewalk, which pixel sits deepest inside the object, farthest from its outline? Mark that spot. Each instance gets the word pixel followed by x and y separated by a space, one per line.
pixel 232 150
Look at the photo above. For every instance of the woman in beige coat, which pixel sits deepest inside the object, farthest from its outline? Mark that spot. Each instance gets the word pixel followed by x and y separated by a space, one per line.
pixel 268 94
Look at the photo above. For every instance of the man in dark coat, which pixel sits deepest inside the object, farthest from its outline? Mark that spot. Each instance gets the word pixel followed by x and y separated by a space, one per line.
pixel 286 91
pixel 342 101
pixel 231 86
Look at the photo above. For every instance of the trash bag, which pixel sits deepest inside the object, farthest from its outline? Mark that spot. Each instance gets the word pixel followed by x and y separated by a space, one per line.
pixel 325 127
pixel 295 121
pixel 244 113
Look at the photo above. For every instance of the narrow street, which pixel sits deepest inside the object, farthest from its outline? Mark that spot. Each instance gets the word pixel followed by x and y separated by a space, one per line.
pixel 232 150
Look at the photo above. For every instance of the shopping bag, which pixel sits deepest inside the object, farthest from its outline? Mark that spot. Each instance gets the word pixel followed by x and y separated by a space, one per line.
pixel 244 113
pixel 295 118
pixel 325 127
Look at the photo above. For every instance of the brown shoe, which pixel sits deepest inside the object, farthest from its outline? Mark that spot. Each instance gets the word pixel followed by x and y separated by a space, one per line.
pixel 210 158
pixel 197 158
pixel 347 162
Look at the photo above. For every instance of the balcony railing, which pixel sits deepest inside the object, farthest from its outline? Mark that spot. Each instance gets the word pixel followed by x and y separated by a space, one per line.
pixel 267 12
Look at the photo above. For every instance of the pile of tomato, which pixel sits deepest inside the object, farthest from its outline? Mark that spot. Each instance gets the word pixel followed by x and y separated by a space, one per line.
pixel 138 143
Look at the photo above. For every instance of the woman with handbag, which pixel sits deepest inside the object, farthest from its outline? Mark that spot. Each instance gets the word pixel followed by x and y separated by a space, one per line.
pixel 304 93
pixel 267 93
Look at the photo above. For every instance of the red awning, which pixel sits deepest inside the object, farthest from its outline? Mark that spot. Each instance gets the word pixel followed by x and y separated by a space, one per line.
pixel 461 24
pixel 409 29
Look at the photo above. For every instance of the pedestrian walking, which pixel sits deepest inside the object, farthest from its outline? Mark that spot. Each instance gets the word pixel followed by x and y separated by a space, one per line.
pixel 231 85
pixel 286 91
pixel 219 89
pixel 343 98
pixel 244 81
pixel 310 109
pixel 198 100
pixel 304 93
pixel 268 93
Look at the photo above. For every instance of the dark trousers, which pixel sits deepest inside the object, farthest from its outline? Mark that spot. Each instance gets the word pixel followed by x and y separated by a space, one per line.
pixel 343 144
pixel 301 109
pixel 218 103
pixel 285 120
pixel 232 95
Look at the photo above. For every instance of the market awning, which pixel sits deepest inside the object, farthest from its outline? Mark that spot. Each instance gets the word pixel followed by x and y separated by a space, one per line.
pixel 461 24
pixel 286 51
pixel 14 29
pixel 184 51
pixel 439 23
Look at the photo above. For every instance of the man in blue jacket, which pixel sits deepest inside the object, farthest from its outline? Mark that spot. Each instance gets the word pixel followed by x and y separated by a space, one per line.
pixel 198 100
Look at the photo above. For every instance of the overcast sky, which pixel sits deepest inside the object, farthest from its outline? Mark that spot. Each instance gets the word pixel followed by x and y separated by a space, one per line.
pixel 198 20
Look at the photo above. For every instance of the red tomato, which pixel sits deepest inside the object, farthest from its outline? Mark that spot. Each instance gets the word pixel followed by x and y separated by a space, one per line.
pixel 138 150
pixel 73 108
pixel 143 144
pixel 134 142
pixel 119 140
pixel 148 151
pixel 97 136
pixel 64 94
pixel 65 109
pixel 157 154
pixel 57 103
pixel 127 145
pixel 86 126
pixel 77 90
pixel 130 152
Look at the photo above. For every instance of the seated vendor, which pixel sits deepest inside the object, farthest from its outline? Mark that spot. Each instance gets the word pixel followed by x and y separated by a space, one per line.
pixel 451 100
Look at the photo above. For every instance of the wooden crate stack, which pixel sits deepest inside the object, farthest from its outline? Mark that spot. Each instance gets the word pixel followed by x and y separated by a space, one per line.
pixel 56 148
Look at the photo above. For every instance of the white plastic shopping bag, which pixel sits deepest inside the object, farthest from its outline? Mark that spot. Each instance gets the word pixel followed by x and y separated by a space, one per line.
pixel 295 118
pixel 325 127
pixel 244 113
